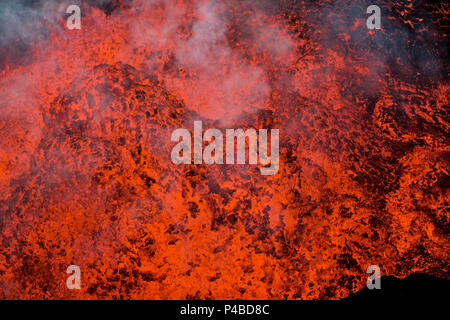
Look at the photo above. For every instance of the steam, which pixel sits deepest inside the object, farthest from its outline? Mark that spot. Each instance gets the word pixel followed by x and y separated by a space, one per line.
pixel 216 80
pixel 26 21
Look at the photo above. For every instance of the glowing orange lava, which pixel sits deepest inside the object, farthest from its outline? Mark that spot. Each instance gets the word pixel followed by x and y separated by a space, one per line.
pixel 85 170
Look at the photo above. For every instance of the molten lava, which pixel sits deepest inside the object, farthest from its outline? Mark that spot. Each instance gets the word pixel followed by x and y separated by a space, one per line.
pixel 86 176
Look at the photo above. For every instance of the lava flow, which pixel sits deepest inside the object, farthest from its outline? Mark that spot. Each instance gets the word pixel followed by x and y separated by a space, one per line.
pixel 86 176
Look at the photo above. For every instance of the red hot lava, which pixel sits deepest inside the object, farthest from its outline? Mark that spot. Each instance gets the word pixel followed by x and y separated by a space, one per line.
pixel 86 176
